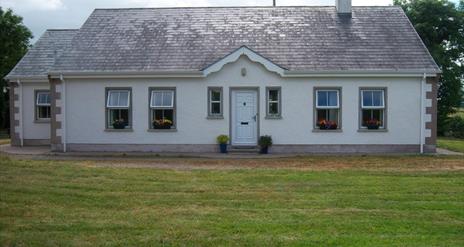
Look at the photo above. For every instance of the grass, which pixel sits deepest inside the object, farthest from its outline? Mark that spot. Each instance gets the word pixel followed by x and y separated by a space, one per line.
pixel 452 144
pixel 397 201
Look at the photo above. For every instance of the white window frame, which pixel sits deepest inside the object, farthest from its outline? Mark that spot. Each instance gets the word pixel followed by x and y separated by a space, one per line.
pixel 278 101
pixel 127 107
pixel 327 107
pixel 383 107
pixel 211 101
pixel 372 107
pixel 162 91
pixel 110 91
pixel 37 105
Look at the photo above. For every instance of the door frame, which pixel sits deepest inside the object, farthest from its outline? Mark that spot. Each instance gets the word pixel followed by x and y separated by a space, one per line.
pixel 244 88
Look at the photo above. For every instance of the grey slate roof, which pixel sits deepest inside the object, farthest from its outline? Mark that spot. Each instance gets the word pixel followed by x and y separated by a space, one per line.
pixel 41 57
pixel 294 38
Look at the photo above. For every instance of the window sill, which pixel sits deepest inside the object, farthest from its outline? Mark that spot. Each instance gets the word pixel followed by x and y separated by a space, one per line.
pixel 273 117
pixel 42 121
pixel 161 130
pixel 215 117
pixel 368 130
pixel 119 130
pixel 327 131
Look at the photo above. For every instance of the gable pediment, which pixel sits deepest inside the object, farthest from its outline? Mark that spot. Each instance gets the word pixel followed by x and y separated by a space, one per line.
pixel 243 51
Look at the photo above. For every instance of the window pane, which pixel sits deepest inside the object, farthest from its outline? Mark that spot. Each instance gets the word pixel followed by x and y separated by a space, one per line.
pixel 123 99
pixel 156 98
pixel 333 98
pixel 118 99
pixel 377 98
pixel 43 98
pixel 273 108
pixel 215 108
pixel 215 95
pixel 372 115
pixel 167 99
pixel 329 116
pixel 367 98
pixel 273 95
pixel 322 98
pixel 43 112
pixel 118 115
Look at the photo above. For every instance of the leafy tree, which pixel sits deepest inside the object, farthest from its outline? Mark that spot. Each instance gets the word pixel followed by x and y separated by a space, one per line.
pixel 14 42
pixel 440 24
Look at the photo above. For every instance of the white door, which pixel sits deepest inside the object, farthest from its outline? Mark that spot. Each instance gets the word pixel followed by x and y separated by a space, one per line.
pixel 244 117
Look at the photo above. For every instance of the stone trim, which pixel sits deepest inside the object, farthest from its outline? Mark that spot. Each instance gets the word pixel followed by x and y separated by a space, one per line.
pixel 14 112
pixel 213 148
pixel 56 115
pixel 431 91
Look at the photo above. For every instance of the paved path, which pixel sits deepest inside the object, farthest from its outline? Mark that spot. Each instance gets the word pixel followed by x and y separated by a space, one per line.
pixel 43 152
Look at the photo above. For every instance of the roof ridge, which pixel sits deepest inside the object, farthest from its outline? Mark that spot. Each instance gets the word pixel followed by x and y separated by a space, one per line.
pixel 248 7
pixel 62 29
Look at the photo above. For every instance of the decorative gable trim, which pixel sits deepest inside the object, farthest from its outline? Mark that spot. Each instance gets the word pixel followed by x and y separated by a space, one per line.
pixel 235 55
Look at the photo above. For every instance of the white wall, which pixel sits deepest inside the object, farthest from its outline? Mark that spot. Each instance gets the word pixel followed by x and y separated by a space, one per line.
pixel 32 128
pixel 85 109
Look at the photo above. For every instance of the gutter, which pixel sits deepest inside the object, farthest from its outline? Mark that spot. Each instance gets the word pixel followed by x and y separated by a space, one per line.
pixel 422 114
pixel 63 111
pixel 203 74
pixel 20 113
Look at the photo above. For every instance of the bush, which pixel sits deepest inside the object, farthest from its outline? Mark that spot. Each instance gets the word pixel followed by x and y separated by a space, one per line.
pixel 456 127
pixel 265 141
pixel 222 139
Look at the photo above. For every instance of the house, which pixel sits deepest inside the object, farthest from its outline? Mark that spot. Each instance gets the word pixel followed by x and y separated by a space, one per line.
pixel 317 79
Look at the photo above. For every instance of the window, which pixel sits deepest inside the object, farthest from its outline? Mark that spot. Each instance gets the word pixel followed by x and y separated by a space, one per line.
pixel 118 107
pixel 162 109
pixel 215 102
pixel 273 104
pixel 42 105
pixel 373 108
pixel 327 108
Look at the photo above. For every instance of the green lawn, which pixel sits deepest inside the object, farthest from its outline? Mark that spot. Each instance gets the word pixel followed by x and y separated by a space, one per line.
pixel 452 144
pixel 319 201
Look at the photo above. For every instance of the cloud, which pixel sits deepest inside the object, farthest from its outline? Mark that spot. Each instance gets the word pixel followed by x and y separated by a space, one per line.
pixel 32 4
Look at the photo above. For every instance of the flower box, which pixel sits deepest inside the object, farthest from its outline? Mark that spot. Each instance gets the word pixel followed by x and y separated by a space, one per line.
pixel 162 124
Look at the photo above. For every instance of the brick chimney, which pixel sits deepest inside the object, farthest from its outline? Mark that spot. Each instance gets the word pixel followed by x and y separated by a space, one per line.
pixel 343 7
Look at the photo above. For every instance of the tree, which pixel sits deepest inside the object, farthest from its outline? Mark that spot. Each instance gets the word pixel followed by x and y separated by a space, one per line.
pixel 14 41
pixel 440 24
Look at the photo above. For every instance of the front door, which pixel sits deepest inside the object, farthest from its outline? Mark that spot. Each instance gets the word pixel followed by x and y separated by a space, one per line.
pixel 244 117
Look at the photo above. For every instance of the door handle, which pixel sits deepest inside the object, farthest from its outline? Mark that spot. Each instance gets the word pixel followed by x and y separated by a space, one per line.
pixel 254 117
pixel 244 123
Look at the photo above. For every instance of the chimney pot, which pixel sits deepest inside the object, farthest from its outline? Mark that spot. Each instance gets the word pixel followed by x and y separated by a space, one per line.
pixel 343 7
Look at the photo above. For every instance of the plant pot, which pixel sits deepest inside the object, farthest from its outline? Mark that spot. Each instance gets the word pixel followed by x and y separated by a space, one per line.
pixel 156 126
pixel 373 127
pixel 119 125
pixel 264 150
pixel 223 148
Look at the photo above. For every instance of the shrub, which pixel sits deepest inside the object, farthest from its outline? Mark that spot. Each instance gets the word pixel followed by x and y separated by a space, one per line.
pixel 456 127
pixel 265 141
pixel 222 139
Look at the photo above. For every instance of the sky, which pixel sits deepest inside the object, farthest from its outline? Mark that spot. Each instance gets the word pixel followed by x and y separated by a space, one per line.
pixel 40 15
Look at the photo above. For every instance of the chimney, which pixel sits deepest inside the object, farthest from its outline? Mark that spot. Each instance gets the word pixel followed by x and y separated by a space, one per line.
pixel 343 7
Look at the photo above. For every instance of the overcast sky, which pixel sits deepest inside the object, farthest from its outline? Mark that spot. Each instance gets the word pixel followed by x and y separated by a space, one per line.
pixel 40 15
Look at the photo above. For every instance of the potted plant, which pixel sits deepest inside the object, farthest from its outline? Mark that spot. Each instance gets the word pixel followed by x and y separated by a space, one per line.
pixel 119 124
pixel 327 125
pixel 373 124
pixel 222 140
pixel 264 143
pixel 162 124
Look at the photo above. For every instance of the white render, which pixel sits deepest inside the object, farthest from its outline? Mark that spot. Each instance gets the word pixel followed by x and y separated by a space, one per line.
pixel 32 129
pixel 85 109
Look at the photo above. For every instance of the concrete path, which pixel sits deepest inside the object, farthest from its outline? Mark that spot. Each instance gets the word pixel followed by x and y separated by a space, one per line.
pixel 447 152
pixel 43 152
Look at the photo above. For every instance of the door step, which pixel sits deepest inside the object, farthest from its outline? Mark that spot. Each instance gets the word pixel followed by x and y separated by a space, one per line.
pixel 244 150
